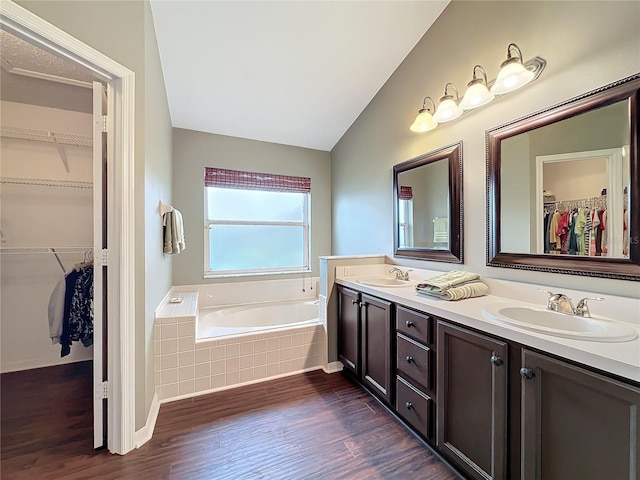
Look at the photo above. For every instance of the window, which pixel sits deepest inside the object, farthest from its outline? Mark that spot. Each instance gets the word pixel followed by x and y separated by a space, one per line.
pixel 405 217
pixel 256 223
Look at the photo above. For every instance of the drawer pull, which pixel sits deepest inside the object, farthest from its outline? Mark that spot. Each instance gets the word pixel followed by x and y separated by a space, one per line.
pixel 527 373
pixel 495 360
pixel 409 405
pixel 409 359
pixel 409 324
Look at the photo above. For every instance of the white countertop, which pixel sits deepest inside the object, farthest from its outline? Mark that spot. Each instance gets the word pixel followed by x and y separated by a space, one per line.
pixel 619 358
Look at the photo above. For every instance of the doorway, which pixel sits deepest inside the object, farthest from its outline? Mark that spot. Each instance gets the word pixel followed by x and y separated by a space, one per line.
pixel 119 256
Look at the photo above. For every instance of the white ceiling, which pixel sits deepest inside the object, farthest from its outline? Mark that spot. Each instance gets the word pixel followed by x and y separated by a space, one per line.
pixel 290 72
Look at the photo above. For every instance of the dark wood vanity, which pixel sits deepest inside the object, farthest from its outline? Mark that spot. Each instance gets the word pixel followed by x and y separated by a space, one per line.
pixel 494 408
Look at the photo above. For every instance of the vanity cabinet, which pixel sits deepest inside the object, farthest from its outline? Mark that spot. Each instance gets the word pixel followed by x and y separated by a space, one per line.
pixel 364 340
pixel 349 329
pixel 415 399
pixel 576 423
pixel 494 408
pixel 472 401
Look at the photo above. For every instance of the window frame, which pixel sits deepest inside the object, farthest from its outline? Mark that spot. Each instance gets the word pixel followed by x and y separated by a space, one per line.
pixel 305 223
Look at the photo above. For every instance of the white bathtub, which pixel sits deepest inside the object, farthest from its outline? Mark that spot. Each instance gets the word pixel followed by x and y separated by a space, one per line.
pixel 216 322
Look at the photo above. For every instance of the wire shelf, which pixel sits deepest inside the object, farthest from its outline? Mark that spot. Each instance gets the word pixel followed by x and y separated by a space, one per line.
pixel 45 250
pixel 46 182
pixel 46 137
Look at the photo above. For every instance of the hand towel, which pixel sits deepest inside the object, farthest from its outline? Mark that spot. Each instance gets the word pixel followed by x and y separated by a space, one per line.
pixel 465 290
pixel 447 280
pixel 174 233
pixel 440 230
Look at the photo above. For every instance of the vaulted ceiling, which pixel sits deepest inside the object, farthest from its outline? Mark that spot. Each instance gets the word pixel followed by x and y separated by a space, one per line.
pixel 290 72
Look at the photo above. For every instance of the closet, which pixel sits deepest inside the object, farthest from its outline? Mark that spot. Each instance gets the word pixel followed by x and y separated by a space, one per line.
pixel 46 192
pixel 583 203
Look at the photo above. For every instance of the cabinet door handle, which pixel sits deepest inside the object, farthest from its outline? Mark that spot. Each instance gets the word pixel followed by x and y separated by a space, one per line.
pixel 409 359
pixel 354 302
pixel 409 405
pixel 362 304
pixel 527 373
pixel 409 324
pixel 496 361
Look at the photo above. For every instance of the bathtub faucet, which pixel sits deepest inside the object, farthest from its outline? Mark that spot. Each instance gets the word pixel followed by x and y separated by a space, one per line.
pixel 400 275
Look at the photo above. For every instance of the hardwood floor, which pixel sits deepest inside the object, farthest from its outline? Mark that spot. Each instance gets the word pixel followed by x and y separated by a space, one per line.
pixel 309 426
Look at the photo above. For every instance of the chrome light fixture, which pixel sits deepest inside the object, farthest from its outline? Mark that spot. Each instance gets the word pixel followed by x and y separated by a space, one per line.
pixel 477 93
pixel 513 74
pixel 448 109
pixel 424 122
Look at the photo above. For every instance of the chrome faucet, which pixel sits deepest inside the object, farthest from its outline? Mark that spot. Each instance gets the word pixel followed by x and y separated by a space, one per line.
pixel 559 302
pixel 582 309
pixel 400 275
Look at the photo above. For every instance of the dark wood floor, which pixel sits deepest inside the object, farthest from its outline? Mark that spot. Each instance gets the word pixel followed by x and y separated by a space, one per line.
pixel 310 426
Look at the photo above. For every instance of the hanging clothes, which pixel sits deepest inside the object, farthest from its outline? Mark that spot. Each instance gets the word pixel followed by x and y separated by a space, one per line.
pixel 78 309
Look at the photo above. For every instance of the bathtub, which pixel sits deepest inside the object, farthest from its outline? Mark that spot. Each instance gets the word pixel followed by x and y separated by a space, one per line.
pixel 237 320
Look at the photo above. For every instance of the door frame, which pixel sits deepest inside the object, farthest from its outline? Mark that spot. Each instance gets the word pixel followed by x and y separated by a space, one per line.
pixel 120 216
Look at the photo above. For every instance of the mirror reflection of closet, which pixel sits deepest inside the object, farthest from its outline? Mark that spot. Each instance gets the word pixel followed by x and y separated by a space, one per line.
pixel 582 203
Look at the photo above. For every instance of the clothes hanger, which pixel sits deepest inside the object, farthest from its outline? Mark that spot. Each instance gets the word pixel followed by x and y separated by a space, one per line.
pixel 87 262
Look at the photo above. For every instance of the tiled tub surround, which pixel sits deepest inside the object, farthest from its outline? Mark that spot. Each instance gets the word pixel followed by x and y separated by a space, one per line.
pixel 187 366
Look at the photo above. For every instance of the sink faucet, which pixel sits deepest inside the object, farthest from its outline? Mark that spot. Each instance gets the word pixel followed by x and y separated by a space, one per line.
pixel 559 302
pixel 582 309
pixel 400 275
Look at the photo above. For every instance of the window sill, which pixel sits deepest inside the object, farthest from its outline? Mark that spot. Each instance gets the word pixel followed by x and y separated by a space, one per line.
pixel 256 274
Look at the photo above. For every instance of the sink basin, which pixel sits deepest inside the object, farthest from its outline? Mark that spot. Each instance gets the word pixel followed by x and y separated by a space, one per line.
pixel 541 320
pixel 382 281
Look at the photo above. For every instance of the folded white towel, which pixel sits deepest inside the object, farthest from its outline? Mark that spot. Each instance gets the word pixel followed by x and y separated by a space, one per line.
pixel 459 292
pixel 173 232
pixel 447 280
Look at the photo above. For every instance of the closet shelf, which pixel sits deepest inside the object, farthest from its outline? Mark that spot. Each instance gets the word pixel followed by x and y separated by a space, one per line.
pixel 46 137
pixel 45 182
pixel 47 250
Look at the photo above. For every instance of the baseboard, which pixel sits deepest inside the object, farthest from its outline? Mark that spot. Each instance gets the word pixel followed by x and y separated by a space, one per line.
pixel 143 435
pixel 333 367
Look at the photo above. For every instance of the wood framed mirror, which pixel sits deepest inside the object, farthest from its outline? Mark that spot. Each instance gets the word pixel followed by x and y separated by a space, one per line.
pixel 563 187
pixel 428 210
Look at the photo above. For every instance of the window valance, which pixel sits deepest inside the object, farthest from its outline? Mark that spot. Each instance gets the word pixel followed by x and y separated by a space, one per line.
pixel 224 178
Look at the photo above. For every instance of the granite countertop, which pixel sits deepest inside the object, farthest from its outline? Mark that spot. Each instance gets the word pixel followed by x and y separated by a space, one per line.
pixel 618 358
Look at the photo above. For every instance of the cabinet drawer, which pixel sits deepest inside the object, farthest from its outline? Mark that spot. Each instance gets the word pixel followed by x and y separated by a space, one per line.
pixel 414 360
pixel 415 407
pixel 415 324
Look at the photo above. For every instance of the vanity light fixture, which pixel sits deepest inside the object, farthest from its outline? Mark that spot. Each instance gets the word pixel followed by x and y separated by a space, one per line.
pixel 448 109
pixel 514 73
pixel 477 93
pixel 424 122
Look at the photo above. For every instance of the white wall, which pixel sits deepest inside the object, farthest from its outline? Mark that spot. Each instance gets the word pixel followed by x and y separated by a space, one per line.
pixel 40 216
pixel 586 45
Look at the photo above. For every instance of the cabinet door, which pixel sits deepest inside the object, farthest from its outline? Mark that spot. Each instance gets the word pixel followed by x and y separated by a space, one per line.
pixel 577 424
pixel 349 329
pixel 472 401
pixel 376 346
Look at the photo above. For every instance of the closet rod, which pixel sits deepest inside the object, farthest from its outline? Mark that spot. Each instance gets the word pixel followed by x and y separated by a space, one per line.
pixel 46 137
pixel 46 182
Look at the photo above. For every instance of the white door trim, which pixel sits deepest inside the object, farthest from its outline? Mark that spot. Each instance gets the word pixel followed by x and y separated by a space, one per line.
pixel 120 217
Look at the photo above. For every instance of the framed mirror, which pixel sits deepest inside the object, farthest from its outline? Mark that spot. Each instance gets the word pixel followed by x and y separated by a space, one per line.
pixel 428 211
pixel 563 187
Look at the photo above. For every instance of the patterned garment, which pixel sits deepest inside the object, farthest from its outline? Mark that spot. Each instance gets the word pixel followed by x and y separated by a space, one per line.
pixel 78 310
